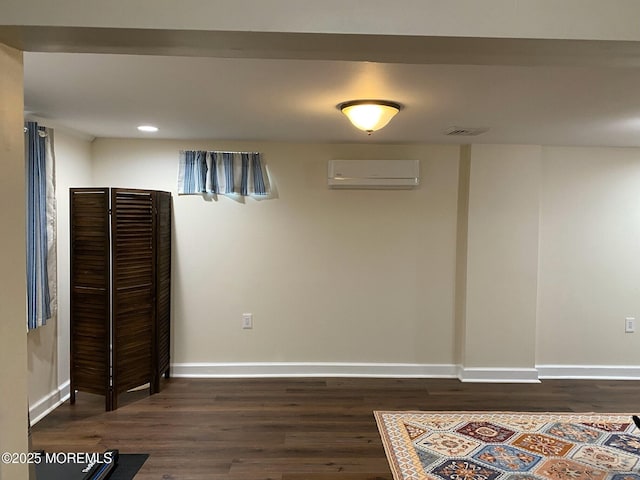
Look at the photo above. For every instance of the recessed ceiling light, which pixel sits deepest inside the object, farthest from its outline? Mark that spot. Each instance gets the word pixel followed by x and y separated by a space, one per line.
pixel 147 128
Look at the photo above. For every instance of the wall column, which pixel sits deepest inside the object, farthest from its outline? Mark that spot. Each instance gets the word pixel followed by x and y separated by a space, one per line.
pixel 497 272
pixel 13 330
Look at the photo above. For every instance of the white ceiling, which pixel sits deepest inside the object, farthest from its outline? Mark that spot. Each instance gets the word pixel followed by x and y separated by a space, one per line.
pixel 106 95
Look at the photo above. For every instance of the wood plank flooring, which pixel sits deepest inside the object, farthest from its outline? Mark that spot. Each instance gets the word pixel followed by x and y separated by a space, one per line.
pixel 291 429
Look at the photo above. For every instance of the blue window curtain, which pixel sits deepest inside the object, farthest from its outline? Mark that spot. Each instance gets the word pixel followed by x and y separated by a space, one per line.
pixel 222 173
pixel 41 225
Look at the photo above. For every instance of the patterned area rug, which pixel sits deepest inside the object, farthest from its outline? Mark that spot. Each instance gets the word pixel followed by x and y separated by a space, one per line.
pixel 510 446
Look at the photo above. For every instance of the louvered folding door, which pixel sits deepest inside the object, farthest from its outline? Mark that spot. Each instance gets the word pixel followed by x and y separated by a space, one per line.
pixel 90 291
pixel 120 282
pixel 163 287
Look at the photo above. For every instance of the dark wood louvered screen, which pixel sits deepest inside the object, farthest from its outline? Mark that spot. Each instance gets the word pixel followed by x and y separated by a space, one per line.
pixel 132 231
pixel 163 286
pixel 90 286
pixel 121 241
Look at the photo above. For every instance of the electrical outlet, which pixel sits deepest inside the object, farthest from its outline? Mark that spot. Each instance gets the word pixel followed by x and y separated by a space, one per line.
pixel 247 320
pixel 630 325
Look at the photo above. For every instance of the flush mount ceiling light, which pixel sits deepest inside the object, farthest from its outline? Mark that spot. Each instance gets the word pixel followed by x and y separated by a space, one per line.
pixel 147 128
pixel 369 115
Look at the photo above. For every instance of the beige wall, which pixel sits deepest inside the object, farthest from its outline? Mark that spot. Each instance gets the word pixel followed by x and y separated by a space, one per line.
pixel 48 346
pixel 462 245
pixel 330 276
pixel 369 276
pixel 502 257
pixel 13 329
pixel 589 256
pixel 506 258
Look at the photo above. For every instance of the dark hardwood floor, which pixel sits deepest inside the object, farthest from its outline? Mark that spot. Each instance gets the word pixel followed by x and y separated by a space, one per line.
pixel 291 429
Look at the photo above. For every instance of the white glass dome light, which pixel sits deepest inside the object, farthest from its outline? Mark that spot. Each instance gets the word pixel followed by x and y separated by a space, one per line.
pixel 369 115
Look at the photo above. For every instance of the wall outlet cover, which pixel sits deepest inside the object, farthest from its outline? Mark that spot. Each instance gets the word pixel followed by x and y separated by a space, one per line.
pixel 630 325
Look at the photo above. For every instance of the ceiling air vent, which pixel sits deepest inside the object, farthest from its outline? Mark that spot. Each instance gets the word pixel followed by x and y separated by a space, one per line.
pixel 465 131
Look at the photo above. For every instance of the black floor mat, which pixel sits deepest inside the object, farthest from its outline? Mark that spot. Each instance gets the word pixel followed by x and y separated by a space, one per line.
pixel 128 466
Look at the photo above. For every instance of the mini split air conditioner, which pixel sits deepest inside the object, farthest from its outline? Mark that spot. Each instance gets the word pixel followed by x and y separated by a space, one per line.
pixel 374 174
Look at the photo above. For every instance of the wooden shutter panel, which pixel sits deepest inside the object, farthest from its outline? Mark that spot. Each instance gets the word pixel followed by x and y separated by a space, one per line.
pixel 133 288
pixel 90 307
pixel 163 285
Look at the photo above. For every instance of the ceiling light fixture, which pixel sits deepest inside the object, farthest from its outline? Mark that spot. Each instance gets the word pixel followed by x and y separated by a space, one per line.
pixel 148 128
pixel 369 115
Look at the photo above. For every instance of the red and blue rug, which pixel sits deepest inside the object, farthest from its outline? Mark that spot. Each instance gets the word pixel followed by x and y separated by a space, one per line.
pixel 510 446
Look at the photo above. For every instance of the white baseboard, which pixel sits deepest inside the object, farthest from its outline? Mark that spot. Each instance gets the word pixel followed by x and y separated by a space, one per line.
pixel 290 369
pixel 498 375
pixel 379 370
pixel 49 402
pixel 589 372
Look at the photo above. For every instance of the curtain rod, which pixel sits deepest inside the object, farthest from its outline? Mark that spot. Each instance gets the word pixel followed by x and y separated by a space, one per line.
pixel 218 151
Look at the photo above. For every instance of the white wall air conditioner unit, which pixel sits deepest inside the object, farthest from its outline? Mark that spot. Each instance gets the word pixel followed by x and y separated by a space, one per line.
pixel 374 174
